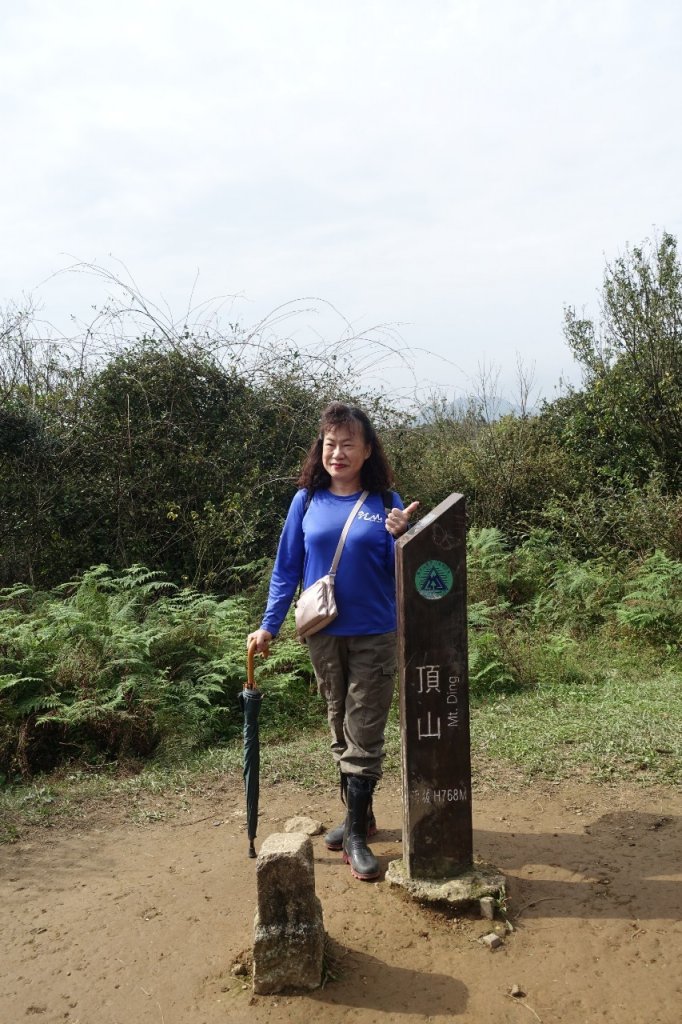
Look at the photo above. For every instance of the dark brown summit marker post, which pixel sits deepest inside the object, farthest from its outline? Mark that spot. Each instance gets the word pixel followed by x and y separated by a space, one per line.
pixel 434 694
pixel 438 864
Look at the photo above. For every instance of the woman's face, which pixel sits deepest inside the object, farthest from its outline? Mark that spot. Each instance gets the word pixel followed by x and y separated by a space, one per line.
pixel 344 453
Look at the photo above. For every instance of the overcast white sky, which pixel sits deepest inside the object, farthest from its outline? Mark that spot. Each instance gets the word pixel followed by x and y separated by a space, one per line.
pixel 460 168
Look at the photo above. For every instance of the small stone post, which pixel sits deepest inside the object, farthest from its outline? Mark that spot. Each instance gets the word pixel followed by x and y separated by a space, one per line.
pixel 289 933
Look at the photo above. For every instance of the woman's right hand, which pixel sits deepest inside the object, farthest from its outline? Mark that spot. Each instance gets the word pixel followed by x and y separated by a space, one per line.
pixel 262 638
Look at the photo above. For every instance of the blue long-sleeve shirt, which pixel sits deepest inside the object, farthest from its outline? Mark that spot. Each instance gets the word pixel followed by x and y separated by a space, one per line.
pixel 365 578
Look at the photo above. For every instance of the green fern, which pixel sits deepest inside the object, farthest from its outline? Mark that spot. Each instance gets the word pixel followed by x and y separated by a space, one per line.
pixel 120 663
pixel 652 603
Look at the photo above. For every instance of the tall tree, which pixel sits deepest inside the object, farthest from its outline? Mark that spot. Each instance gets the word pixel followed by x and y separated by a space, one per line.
pixel 628 419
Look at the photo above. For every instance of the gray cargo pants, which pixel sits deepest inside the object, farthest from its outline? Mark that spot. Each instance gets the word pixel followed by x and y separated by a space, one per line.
pixel 355 675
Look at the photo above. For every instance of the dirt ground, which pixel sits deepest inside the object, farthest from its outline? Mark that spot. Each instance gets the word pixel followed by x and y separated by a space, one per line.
pixel 112 921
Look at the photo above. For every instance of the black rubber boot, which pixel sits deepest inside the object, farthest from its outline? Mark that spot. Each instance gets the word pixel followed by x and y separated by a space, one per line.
pixel 334 838
pixel 356 852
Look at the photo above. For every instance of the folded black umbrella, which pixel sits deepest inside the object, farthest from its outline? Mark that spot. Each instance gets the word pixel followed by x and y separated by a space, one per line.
pixel 250 700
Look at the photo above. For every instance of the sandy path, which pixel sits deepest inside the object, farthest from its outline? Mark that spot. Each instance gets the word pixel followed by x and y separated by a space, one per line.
pixel 126 924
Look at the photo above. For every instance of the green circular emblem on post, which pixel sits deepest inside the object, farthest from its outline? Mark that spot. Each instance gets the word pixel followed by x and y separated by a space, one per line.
pixel 433 580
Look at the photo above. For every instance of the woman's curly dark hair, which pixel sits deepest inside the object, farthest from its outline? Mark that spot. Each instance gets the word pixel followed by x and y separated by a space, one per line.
pixel 376 474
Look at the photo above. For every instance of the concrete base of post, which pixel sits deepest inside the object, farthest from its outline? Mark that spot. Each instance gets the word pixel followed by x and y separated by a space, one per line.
pixel 460 893
pixel 289 933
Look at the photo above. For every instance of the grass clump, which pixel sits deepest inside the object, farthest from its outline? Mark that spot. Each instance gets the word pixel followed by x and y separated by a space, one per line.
pixel 624 728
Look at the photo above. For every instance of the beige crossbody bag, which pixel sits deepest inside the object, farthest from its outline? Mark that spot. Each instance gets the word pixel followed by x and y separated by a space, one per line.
pixel 316 606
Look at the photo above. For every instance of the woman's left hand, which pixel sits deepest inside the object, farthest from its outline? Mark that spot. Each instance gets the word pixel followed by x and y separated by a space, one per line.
pixel 398 519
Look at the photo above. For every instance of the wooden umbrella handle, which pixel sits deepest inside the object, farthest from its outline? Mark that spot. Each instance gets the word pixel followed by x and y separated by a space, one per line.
pixel 251 654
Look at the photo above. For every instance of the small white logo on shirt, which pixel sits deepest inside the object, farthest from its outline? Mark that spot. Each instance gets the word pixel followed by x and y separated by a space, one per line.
pixel 375 517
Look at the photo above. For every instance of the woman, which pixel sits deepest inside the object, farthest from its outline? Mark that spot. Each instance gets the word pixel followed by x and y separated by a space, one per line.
pixel 354 656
